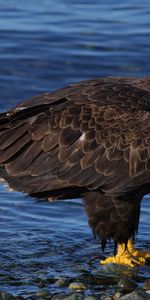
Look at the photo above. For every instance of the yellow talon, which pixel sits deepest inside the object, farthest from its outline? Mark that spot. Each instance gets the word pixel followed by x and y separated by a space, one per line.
pixel 127 255
pixel 138 253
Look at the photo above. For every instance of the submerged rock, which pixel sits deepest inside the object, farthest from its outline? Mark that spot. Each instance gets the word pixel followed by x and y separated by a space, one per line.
pixel 60 297
pixel 117 296
pixel 89 298
pixel 127 284
pixel 62 282
pixel 18 298
pixel 8 296
pixel 136 295
pixel 41 294
pixel 147 285
pixel 75 296
pixel 106 298
pixel 5 296
pixel 77 286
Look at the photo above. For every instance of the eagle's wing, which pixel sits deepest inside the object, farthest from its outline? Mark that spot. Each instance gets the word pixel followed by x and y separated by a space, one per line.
pixel 92 135
pixel 124 92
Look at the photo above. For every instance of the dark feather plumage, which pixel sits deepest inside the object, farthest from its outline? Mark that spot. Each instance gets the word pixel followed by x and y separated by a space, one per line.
pixel 87 140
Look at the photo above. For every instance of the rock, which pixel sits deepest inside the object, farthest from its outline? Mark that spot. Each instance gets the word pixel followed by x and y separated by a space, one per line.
pixel 75 296
pixel 126 284
pixel 117 296
pixel 5 296
pixel 41 284
pixel 77 286
pixel 115 268
pixel 62 282
pixel 147 262
pixel 60 297
pixel 106 297
pixel 89 298
pixel 147 285
pixel 136 295
pixel 18 298
pixel 148 292
pixel 44 294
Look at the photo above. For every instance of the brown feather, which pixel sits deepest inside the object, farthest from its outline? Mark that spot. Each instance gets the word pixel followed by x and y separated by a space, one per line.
pixel 91 138
pixel 15 148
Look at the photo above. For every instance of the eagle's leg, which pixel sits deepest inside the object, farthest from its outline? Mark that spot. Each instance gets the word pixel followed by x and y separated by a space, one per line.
pixel 116 218
pixel 127 255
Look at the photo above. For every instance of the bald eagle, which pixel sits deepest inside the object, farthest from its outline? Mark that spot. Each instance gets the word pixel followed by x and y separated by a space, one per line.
pixel 90 140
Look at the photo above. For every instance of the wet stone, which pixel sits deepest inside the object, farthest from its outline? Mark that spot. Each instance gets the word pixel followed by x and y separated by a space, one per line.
pixel 118 270
pixel 18 298
pixel 41 294
pixel 148 292
pixel 147 263
pixel 77 286
pixel 147 285
pixel 126 284
pixel 117 296
pixel 89 298
pixel 60 297
pixel 5 296
pixel 41 283
pixel 62 282
pixel 106 298
pixel 136 295
pixel 75 296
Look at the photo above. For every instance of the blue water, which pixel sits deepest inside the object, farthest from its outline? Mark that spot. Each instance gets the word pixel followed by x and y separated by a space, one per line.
pixel 45 45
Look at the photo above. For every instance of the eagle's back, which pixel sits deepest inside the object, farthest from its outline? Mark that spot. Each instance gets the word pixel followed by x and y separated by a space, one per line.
pixel 89 136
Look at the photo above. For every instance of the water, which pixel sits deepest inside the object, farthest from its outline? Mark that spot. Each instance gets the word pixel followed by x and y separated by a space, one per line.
pixel 44 46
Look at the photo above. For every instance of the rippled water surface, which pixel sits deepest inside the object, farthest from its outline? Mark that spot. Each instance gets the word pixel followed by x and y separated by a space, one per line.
pixel 46 45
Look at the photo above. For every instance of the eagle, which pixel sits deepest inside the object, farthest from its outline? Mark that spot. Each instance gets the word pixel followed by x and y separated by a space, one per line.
pixel 90 140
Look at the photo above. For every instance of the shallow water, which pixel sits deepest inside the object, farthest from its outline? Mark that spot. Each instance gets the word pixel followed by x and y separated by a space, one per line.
pixel 41 242
pixel 46 45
